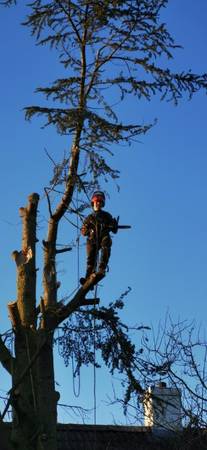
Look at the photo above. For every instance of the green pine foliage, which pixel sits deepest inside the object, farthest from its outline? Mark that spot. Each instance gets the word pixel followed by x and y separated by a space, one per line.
pixel 109 51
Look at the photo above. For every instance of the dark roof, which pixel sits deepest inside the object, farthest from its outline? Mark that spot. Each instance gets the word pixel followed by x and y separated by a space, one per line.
pixel 106 437
pixel 111 437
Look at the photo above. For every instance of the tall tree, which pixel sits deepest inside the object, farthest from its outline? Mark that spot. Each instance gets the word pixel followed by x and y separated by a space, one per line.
pixel 109 50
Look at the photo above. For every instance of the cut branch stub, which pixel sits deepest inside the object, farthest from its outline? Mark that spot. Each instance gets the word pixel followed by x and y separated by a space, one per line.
pixel 14 315
pixel 22 257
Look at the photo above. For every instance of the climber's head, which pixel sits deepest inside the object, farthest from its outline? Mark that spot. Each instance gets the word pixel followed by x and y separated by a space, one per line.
pixel 97 200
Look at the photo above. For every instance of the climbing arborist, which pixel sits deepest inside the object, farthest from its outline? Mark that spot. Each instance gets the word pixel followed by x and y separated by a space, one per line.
pixel 97 227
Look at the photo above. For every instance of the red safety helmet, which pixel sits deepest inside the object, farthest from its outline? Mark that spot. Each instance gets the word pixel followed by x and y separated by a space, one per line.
pixel 98 196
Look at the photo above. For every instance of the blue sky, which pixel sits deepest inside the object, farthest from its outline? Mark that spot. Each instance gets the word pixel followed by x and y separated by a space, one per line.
pixel 163 192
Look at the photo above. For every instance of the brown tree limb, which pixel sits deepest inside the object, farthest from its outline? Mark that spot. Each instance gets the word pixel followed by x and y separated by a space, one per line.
pixel 49 272
pixel 26 269
pixel 77 301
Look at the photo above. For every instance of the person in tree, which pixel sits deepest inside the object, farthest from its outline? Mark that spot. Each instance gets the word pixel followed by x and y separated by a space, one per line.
pixel 97 227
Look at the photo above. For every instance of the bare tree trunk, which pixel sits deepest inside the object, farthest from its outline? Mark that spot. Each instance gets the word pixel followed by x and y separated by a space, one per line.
pixel 47 396
pixel 33 396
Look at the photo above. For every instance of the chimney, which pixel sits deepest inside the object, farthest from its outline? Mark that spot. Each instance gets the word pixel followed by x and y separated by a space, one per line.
pixel 162 408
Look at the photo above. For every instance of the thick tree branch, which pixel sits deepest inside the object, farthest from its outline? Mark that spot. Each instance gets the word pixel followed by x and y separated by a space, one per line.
pixel 49 278
pixel 78 300
pixel 26 268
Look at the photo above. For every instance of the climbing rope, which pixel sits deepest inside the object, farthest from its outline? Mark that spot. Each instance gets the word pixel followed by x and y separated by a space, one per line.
pixel 94 370
pixel 78 241
pixel 94 336
pixel 76 390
